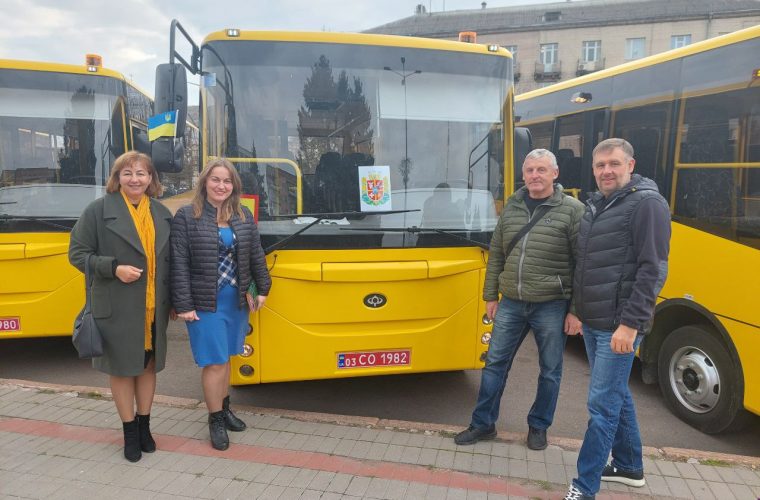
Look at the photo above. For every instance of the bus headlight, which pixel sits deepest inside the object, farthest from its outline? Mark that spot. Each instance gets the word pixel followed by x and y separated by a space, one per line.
pixel 485 338
pixel 246 370
pixel 247 350
pixel 233 32
pixel 250 329
pixel 486 320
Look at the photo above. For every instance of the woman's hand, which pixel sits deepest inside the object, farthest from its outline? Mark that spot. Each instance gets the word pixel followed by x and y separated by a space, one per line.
pixel 255 303
pixel 188 316
pixel 128 274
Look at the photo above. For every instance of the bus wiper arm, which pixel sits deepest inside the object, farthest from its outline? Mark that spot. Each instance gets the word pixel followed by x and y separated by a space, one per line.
pixel 44 220
pixel 319 217
pixel 417 230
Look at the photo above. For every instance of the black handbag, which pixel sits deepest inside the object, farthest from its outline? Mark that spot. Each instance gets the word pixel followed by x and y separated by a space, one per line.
pixel 86 338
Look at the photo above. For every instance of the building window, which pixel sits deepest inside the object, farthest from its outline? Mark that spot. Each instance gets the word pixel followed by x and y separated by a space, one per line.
pixel 548 53
pixel 552 16
pixel 591 51
pixel 635 48
pixel 678 41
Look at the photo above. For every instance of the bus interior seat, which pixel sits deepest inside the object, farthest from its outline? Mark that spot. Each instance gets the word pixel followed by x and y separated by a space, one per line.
pixel 349 178
pixel 569 168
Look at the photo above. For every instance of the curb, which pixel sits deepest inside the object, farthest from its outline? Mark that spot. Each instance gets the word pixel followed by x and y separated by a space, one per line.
pixel 668 453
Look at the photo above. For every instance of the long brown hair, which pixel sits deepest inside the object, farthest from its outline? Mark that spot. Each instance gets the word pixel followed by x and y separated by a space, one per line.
pixel 229 206
pixel 129 159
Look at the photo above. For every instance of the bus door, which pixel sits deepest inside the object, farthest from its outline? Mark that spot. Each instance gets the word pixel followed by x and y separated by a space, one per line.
pixel 575 138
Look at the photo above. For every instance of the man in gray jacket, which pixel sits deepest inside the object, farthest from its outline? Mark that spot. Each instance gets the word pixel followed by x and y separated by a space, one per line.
pixel 623 246
pixel 534 275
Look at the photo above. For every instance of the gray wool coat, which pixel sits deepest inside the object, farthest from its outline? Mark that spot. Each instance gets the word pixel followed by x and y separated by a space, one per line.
pixel 105 232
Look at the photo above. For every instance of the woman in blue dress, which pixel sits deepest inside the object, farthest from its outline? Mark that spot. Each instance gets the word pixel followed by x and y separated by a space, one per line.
pixel 216 256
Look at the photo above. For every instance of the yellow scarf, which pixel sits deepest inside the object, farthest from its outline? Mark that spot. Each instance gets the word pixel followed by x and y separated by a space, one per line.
pixel 147 233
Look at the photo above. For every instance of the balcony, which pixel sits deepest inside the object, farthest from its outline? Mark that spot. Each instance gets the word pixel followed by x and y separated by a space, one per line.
pixel 586 67
pixel 548 72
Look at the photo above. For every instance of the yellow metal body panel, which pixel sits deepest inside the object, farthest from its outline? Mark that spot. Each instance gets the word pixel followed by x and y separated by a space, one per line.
pixel 38 284
pixel 317 311
pixel 698 263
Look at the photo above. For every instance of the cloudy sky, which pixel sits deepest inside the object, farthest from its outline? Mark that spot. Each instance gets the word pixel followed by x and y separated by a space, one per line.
pixel 132 35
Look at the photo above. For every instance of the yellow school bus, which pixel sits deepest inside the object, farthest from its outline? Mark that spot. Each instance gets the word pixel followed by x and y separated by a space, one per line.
pixel 61 128
pixel 376 166
pixel 693 118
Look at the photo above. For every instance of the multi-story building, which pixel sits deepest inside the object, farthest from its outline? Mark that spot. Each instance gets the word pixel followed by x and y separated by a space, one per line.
pixel 562 40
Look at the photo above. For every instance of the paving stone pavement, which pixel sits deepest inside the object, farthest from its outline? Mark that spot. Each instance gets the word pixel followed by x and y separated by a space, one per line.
pixel 67 443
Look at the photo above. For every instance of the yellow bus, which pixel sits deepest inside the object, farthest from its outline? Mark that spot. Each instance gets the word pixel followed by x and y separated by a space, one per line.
pixel 377 166
pixel 61 128
pixel 693 118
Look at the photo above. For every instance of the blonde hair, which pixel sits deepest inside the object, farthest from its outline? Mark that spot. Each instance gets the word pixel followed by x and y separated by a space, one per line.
pixel 229 206
pixel 129 159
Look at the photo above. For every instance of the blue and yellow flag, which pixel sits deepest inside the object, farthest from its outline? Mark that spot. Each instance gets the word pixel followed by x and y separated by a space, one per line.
pixel 163 125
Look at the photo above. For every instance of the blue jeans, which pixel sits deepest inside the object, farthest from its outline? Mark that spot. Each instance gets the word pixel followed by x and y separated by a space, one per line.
pixel 511 324
pixel 612 424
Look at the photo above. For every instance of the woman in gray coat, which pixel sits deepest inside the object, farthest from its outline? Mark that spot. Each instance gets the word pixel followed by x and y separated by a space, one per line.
pixel 125 236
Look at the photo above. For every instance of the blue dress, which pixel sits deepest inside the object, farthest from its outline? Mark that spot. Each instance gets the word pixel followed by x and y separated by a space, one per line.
pixel 220 334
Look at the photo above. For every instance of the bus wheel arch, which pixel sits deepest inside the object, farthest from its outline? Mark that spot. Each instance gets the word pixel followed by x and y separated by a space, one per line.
pixel 698 369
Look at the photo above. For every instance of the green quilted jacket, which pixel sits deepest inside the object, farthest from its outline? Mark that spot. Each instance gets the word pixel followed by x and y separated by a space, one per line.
pixel 540 267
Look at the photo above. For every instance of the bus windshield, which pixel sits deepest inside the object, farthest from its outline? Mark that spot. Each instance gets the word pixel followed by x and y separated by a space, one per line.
pixel 299 121
pixel 59 135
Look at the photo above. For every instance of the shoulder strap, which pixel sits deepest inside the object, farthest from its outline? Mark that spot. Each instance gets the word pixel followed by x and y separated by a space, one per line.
pixel 538 214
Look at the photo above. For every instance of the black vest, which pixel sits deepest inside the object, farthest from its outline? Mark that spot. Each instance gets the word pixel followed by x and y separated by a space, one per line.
pixel 606 265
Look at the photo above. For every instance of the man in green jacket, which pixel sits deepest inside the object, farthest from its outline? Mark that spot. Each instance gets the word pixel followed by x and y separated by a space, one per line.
pixel 535 282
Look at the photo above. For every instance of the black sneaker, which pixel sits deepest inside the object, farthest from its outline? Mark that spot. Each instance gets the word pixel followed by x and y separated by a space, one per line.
pixel 473 435
pixel 536 438
pixel 574 493
pixel 615 475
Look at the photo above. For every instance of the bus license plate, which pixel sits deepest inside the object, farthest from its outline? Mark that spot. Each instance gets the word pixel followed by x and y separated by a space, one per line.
pixel 369 359
pixel 10 324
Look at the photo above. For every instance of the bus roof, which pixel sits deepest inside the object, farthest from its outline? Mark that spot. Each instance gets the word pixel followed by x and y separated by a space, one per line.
pixel 58 68
pixel 695 48
pixel 358 39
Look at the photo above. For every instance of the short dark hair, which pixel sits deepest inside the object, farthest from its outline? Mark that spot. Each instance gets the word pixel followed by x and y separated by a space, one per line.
pixel 612 143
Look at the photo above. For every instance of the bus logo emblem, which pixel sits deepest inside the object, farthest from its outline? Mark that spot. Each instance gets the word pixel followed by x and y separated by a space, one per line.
pixel 375 300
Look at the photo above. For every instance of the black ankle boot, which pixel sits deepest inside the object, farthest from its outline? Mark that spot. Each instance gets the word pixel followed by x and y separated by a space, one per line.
pixel 131 441
pixel 147 444
pixel 219 438
pixel 231 422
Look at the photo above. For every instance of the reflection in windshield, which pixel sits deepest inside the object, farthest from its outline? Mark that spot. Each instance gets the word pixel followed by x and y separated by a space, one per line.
pixel 47 200
pixel 321 111
pixel 56 146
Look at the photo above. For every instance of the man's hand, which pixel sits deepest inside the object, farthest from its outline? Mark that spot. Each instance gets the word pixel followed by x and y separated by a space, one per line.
pixel 491 306
pixel 572 324
pixel 622 340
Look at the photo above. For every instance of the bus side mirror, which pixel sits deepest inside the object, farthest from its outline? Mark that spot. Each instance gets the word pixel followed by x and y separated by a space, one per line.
pixel 141 142
pixel 523 144
pixel 168 155
pixel 171 93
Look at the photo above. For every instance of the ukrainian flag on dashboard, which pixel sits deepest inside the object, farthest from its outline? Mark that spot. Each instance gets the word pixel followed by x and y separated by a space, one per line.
pixel 163 125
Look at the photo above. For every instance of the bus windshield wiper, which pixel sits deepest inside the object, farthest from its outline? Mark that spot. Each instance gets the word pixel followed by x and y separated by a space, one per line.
pixel 417 230
pixel 44 220
pixel 320 217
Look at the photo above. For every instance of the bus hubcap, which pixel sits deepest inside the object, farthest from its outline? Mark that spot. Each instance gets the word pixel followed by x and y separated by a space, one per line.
pixel 694 379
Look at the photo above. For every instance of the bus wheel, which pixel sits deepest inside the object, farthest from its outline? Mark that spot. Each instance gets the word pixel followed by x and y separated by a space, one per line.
pixel 699 382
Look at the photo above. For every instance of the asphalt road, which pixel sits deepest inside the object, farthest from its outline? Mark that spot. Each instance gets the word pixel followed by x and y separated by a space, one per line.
pixel 435 397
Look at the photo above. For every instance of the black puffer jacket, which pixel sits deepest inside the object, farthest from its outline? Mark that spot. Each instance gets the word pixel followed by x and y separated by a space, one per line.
pixel 195 258
pixel 622 262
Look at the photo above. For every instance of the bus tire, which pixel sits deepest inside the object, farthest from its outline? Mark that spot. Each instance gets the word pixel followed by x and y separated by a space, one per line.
pixel 699 381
